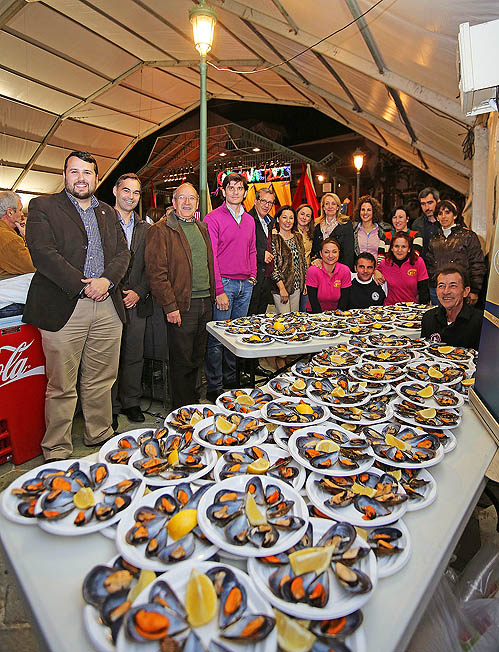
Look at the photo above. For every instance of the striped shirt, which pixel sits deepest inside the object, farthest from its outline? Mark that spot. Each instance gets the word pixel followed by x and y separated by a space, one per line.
pixel 94 260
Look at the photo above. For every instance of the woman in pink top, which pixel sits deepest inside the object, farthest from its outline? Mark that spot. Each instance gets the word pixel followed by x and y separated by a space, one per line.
pixel 404 272
pixel 324 284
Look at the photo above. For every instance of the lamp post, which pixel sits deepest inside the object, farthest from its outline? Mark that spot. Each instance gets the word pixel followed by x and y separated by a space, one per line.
pixel 358 161
pixel 203 19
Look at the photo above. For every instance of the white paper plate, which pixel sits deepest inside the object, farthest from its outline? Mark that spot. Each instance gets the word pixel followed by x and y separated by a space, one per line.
pixel 253 440
pixel 336 470
pixel 65 526
pixel 411 465
pixel 354 372
pixel 274 453
pixel 314 396
pixel 136 554
pixel 286 380
pixel 209 458
pixel 238 483
pixel 178 579
pixel 429 402
pixel 390 565
pixel 321 409
pixel 191 406
pixel 111 444
pixel 369 357
pixel 430 362
pixel 317 496
pixel 412 422
pixel 240 340
pixel 429 491
pixel 365 422
pixel 230 393
pixel 340 602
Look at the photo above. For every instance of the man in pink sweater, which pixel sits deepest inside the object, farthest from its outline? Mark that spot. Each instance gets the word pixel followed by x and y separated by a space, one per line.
pixel 232 235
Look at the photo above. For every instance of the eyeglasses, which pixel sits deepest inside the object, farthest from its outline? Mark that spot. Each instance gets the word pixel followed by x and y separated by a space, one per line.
pixel 189 197
pixel 267 202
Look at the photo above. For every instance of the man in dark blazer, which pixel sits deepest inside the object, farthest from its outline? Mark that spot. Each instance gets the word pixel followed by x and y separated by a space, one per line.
pixel 127 390
pixel 80 253
pixel 260 298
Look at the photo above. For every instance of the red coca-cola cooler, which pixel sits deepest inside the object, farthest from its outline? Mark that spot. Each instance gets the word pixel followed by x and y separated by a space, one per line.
pixel 22 392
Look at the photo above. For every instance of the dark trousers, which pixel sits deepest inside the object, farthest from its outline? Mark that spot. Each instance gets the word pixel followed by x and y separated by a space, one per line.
pixel 187 347
pixel 261 296
pixel 127 390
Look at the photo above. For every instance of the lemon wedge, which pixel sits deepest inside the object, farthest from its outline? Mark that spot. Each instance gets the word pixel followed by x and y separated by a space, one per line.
pixel 361 490
pixel 402 445
pixel 384 355
pixel 224 426
pixel 182 523
pixel 145 578
pixel 278 325
pixel 253 513
pixel 338 392
pixel 310 560
pixel 299 384
pixel 259 466
pixel 468 382
pixel 428 413
pixel 245 399
pixel 435 373
pixel 396 473
pixel 197 416
pixel 291 635
pixel 337 359
pixel 377 372
pixel 173 457
pixel 377 325
pixel 319 369
pixel 426 392
pixel 200 599
pixel 444 349
pixel 84 498
pixel 361 532
pixel 304 408
pixel 327 446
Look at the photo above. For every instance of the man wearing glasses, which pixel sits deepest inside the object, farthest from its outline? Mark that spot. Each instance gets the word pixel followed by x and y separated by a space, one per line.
pixel 179 267
pixel 232 235
pixel 260 299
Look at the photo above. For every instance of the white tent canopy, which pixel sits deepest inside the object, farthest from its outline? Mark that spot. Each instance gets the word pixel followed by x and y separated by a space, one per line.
pixel 99 75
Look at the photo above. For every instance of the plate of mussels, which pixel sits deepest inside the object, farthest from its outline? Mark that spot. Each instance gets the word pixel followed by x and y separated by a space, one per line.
pixel 252 516
pixel 72 497
pixel 392 546
pixel 406 447
pixel 427 417
pixel 223 431
pixel 331 451
pixel 119 449
pixel 369 497
pixel 245 401
pixel 330 573
pixel 429 395
pixel 294 412
pixel 266 459
pixel 172 459
pixel 210 606
pixel 162 529
pixel 106 590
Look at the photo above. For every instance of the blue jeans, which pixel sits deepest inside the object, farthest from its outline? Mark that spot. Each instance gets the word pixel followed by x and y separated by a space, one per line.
pixel 217 357
pixel 12 310
pixel 433 297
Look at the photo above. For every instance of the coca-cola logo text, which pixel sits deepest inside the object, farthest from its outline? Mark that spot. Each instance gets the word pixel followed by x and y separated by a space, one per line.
pixel 16 367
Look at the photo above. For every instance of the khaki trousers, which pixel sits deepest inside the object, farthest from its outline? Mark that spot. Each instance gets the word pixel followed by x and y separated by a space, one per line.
pixel 89 342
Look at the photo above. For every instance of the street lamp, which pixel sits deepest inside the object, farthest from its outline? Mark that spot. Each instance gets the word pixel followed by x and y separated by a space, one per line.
pixel 358 161
pixel 203 19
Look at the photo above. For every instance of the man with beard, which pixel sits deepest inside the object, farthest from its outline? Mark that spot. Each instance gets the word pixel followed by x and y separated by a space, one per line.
pixel 127 390
pixel 80 254
pixel 427 222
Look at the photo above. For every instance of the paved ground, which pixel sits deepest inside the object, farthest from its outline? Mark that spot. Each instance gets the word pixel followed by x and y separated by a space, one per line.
pixel 15 630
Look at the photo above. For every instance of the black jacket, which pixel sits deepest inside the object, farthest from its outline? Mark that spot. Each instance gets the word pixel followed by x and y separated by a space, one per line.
pixel 263 243
pixel 135 278
pixel 427 229
pixel 344 234
pixel 462 248
pixel 465 331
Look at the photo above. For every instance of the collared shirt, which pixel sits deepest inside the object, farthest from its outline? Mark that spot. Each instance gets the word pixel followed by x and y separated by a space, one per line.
pixel 94 261
pixel 464 331
pixel 264 224
pixel 368 241
pixel 127 228
pixel 239 217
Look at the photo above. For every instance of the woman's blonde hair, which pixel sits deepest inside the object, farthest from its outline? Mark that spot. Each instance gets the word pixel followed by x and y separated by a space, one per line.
pixel 342 219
